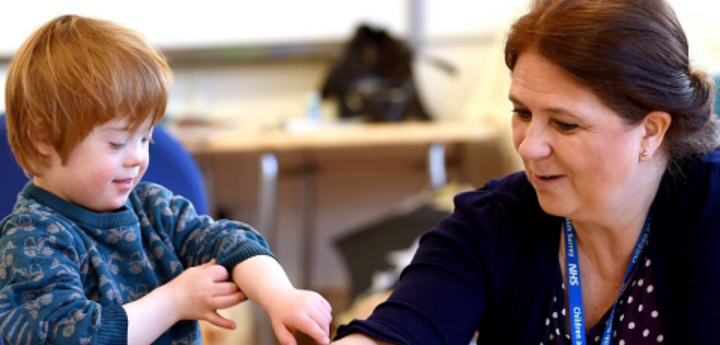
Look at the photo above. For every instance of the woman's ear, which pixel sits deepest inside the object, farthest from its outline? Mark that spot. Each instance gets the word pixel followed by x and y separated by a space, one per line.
pixel 656 124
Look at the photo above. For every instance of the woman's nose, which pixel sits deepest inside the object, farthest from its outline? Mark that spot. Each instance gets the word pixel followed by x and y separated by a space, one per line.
pixel 534 142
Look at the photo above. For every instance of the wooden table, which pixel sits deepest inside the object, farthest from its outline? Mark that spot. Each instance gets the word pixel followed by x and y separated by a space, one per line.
pixel 215 140
pixel 272 141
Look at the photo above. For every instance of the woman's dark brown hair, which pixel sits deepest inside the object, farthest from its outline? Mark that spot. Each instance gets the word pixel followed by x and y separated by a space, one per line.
pixel 634 55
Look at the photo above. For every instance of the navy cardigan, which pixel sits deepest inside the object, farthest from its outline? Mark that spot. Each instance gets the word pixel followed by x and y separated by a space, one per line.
pixel 489 267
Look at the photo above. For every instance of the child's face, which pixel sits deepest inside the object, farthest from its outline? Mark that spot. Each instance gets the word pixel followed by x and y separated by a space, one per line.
pixel 102 170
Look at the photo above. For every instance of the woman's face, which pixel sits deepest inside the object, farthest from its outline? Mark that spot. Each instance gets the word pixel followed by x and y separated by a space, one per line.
pixel 580 156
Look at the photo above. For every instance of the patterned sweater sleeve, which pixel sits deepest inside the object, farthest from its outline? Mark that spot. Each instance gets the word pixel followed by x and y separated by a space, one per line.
pixel 198 238
pixel 42 300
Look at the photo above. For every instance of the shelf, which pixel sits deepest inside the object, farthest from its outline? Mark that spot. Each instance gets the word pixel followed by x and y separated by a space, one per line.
pixel 248 53
pixel 183 56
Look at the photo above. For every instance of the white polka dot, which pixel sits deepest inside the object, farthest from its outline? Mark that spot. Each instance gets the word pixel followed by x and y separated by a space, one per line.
pixel 631 325
pixel 614 334
pixel 554 315
pixel 552 336
pixel 547 322
pixel 622 342
pixel 646 332
pixel 541 343
pixel 660 338
pixel 647 263
pixel 622 316
pixel 640 308
pixel 554 299
pixel 650 288
pixel 634 282
pixel 622 301
pixel 563 311
pixel 567 336
pixel 641 282
pixel 597 338
pixel 557 331
pixel 654 314
pixel 630 299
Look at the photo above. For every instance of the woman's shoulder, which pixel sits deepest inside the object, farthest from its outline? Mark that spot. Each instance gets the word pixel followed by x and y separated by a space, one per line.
pixel 696 179
pixel 513 191
pixel 687 203
pixel 709 163
pixel 507 207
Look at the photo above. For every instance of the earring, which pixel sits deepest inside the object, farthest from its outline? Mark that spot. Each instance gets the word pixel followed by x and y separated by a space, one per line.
pixel 644 153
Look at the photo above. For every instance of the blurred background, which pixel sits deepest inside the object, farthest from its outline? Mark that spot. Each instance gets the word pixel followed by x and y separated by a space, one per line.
pixel 339 129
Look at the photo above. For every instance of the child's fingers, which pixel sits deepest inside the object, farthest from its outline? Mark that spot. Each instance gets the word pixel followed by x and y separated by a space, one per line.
pixel 314 329
pixel 225 288
pixel 326 305
pixel 284 335
pixel 322 315
pixel 218 273
pixel 226 301
pixel 217 320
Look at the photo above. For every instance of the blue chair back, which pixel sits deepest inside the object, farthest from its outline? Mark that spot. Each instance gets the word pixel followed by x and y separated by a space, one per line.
pixel 717 94
pixel 171 165
pixel 13 178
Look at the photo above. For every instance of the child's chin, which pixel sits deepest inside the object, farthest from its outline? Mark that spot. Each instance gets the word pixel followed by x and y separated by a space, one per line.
pixel 110 206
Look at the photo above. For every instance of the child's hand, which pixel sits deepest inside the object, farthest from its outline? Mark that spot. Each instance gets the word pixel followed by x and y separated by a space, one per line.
pixel 300 310
pixel 200 291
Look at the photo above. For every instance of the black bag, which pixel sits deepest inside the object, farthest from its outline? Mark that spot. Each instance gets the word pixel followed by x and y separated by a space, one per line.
pixel 373 79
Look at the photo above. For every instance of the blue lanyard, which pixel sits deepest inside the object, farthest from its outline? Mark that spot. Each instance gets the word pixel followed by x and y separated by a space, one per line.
pixel 576 313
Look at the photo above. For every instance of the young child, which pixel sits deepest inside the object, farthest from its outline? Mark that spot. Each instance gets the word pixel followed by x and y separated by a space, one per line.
pixel 91 255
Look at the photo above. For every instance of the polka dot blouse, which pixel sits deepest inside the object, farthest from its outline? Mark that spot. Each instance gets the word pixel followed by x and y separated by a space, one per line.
pixel 637 320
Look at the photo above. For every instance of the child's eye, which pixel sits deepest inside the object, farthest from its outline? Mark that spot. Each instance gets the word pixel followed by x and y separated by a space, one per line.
pixel 117 146
pixel 147 140
pixel 566 127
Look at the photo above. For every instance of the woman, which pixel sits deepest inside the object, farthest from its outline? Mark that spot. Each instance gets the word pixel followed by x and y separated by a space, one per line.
pixel 611 234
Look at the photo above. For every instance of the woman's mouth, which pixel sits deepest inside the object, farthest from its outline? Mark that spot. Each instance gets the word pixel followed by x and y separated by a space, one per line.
pixel 545 179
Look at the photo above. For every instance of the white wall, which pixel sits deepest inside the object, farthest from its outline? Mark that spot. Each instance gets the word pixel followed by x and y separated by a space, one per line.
pixel 468 34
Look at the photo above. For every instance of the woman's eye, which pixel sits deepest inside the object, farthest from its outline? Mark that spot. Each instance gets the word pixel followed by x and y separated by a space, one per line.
pixel 522 114
pixel 566 127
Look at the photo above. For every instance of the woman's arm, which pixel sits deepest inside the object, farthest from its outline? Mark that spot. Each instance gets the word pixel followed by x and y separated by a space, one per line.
pixel 359 339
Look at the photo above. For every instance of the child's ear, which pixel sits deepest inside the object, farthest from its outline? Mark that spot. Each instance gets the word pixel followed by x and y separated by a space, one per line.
pixel 39 138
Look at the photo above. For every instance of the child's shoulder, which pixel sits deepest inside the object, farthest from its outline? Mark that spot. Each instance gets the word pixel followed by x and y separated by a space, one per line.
pixel 150 192
pixel 152 196
pixel 30 218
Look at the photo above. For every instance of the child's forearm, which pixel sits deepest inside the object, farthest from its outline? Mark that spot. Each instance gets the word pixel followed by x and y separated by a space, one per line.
pixel 263 281
pixel 260 277
pixel 150 316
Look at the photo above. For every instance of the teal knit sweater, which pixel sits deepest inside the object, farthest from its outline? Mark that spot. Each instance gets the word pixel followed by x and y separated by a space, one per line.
pixel 65 271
